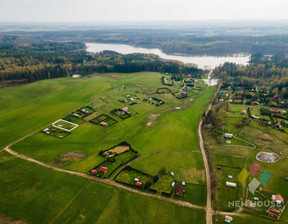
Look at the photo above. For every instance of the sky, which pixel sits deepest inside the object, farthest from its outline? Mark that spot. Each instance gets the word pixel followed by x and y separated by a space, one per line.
pixel 58 11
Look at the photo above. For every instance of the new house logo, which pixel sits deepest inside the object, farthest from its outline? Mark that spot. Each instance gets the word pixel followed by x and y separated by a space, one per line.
pixel 254 183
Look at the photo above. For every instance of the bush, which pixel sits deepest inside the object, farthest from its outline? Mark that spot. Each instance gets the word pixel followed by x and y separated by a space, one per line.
pixel 155 179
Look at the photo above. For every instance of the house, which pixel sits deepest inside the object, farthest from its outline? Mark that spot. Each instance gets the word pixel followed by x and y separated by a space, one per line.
pixel 281 102
pixel 275 110
pixel 278 198
pixel 230 184
pixel 138 184
pixel 255 103
pixel 136 179
pixel 125 109
pixel 221 100
pixel 103 169
pixel 183 183
pixel 173 184
pixel 180 190
pixel 227 135
pixel 276 97
pixel 46 130
pixel 278 125
pixel 231 101
pixel 244 119
pixel 93 172
pixel 243 111
pixel 102 123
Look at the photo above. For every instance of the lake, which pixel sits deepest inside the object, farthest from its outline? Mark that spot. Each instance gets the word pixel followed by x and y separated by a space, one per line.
pixel 209 62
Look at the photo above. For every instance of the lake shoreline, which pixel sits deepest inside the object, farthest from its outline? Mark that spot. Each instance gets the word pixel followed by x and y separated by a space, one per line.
pixel 202 61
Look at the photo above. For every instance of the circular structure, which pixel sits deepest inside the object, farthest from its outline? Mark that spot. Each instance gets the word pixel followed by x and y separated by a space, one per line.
pixel 267 157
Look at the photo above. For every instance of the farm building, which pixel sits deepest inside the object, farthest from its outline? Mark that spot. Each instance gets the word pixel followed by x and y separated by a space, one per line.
pixel 180 190
pixel 230 184
pixel 103 169
pixel 227 135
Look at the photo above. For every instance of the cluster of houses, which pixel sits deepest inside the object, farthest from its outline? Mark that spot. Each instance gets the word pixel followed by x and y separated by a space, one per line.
pixel 102 170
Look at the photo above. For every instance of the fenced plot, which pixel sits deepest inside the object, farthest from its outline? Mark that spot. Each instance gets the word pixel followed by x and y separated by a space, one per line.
pixel 56 132
pixel 120 113
pixel 65 125
pixel 103 120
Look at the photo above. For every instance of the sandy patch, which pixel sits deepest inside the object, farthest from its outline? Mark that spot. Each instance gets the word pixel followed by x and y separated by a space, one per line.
pixel 70 157
pixel 267 157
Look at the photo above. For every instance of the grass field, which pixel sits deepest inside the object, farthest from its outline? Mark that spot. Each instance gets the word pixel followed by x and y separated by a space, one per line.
pixel 170 141
pixel 36 195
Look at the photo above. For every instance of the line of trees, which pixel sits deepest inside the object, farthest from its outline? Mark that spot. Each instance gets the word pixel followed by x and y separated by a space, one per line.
pixel 37 61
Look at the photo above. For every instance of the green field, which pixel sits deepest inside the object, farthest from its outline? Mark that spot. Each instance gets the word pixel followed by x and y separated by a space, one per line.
pixel 170 141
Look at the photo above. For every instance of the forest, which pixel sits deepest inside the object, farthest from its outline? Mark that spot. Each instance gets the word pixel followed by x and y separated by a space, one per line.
pixel 42 60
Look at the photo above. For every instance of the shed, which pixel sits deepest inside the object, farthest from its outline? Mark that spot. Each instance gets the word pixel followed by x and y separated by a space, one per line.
pixel 138 184
pixel 93 171
pixel 230 184
pixel 103 169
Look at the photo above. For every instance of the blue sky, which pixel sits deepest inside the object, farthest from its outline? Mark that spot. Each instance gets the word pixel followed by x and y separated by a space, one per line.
pixel 139 10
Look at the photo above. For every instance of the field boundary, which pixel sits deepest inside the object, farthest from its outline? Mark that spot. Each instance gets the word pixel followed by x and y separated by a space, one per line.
pixel 69 130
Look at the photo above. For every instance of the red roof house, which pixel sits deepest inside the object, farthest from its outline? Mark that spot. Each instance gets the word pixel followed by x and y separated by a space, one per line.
pixel 138 184
pixel 103 169
pixel 180 190
pixel 93 171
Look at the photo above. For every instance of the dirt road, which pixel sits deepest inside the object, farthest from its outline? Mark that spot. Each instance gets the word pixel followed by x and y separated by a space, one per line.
pixel 209 210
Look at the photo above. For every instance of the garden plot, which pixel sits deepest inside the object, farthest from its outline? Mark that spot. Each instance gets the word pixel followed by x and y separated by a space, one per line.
pixel 56 132
pixel 123 113
pixel 134 178
pixel 163 90
pixel 65 125
pixel 116 157
pixel 99 102
pixel 131 99
pixel 103 120
pixel 164 184
pixel 83 112
pixel 155 101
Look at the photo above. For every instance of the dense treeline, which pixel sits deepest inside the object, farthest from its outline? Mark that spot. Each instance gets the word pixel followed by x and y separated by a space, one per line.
pixel 185 41
pixel 36 61
pixel 265 70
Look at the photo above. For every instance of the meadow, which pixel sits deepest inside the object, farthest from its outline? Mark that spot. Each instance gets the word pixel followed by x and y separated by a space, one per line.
pixel 168 141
